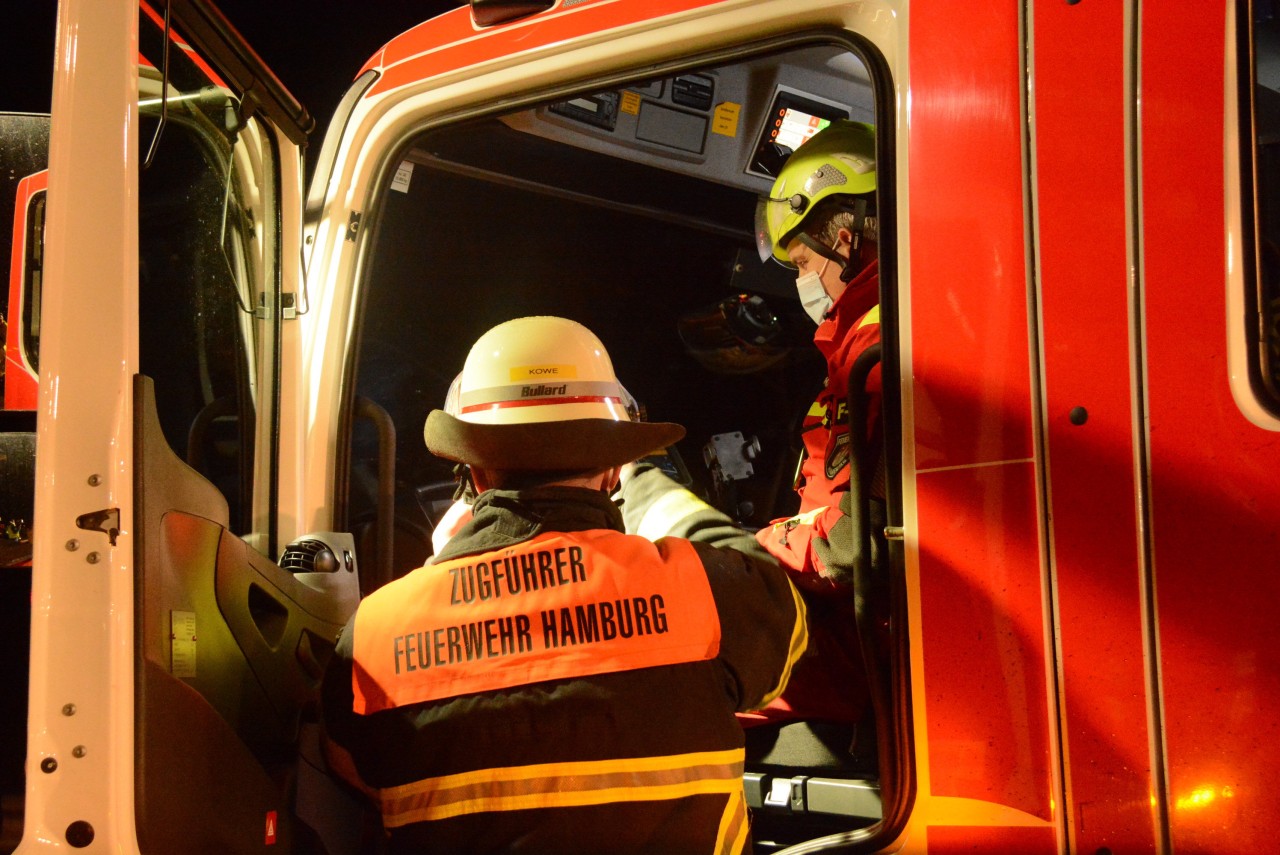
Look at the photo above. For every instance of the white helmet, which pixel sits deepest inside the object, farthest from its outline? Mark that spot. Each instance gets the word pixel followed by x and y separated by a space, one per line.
pixel 540 394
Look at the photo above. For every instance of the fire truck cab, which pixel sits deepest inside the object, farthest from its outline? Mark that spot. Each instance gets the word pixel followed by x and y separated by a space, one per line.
pixel 1068 641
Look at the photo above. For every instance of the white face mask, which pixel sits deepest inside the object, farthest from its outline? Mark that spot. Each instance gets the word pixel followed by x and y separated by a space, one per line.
pixel 813 295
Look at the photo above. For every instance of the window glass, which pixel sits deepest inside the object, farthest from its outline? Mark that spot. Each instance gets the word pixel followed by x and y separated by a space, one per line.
pixel 24 147
pixel 24 144
pixel 33 279
pixel 1262 135
pixel 205 276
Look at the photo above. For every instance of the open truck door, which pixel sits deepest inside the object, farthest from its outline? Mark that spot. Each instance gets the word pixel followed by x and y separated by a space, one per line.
pixel 24 145
pixel 24 151
pixel 173 661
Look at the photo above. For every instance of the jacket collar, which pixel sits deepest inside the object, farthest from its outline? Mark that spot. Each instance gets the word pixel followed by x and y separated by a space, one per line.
pixel 503 518
pixel 858 298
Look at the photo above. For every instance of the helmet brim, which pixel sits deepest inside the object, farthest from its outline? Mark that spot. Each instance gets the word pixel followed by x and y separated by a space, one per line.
pixel 768 216
pixel 575 445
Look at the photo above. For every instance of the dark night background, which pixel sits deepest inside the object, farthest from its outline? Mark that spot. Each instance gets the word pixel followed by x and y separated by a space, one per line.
pixel 315 48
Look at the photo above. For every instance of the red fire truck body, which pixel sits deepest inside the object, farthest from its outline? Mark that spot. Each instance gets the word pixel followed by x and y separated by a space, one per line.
pixel 1082 433
pixel 19 372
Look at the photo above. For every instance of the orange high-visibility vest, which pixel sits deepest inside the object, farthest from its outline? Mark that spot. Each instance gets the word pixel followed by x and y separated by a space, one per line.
pixel 561 605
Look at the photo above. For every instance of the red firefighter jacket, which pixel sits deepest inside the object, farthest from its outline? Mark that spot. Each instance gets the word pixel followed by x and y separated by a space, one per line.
pixel 852 325
pixel 830 683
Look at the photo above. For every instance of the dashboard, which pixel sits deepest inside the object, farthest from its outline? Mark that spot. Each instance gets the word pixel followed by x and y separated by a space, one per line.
pixel 732 125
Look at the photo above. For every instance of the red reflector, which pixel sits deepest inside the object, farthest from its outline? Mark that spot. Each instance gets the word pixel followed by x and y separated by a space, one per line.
pixel 271 827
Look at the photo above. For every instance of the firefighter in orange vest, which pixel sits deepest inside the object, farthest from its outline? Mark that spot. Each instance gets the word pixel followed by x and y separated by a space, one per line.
pixel 548 683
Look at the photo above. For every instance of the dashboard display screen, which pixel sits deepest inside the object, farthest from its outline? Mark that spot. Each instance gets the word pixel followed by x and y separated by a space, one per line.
pixel 794 127
pixel 792 120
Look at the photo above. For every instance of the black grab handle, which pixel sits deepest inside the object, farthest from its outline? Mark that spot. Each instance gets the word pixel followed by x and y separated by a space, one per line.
pixel 860 473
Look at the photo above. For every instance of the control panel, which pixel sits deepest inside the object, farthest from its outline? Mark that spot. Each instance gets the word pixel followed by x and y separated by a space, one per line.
pixel 733 124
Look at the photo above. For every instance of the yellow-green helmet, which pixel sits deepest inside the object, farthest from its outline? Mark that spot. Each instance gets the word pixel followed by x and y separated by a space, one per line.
pixel 839 159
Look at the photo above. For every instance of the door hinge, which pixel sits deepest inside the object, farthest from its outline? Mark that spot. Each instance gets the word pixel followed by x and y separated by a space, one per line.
pixel 288 306
pixel 353 225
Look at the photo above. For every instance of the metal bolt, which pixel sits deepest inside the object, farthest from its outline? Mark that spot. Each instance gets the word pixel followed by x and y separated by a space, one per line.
pixel 48 765
pixel 73 545
pixel 94 480
pixel 80 834
pixel 78 751
pixel 68 709
pixel 93 558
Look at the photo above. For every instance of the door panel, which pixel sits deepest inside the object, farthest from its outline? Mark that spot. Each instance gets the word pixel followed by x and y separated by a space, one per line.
pixel 981 613
pixel 173 662
pixel 1082 208
pixel 983 675
pixel 1215 499
pixel 228 661
pixel 231 648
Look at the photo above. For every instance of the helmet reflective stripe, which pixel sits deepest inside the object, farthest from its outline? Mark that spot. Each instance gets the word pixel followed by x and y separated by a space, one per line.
pixel 547 402
pixel 535 410
pixel 550 394
pixel 539 391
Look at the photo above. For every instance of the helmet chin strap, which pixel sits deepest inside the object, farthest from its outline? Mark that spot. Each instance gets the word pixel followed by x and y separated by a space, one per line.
pixel 851 266
pixel 466 487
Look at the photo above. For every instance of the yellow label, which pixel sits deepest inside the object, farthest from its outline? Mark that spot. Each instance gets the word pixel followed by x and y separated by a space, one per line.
pixel 523 373
pixel 725 119
pixel 182 635
pixel 630 103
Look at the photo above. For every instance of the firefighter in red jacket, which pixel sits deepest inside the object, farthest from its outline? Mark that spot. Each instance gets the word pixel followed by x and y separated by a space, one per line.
pixel 820 220
pixel 548 683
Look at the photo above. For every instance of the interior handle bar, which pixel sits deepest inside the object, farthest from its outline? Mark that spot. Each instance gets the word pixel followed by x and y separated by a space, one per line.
pixel 869 591
pixel 386 521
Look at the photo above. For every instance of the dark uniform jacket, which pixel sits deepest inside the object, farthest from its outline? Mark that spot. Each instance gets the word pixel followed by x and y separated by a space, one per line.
pixel 549 684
